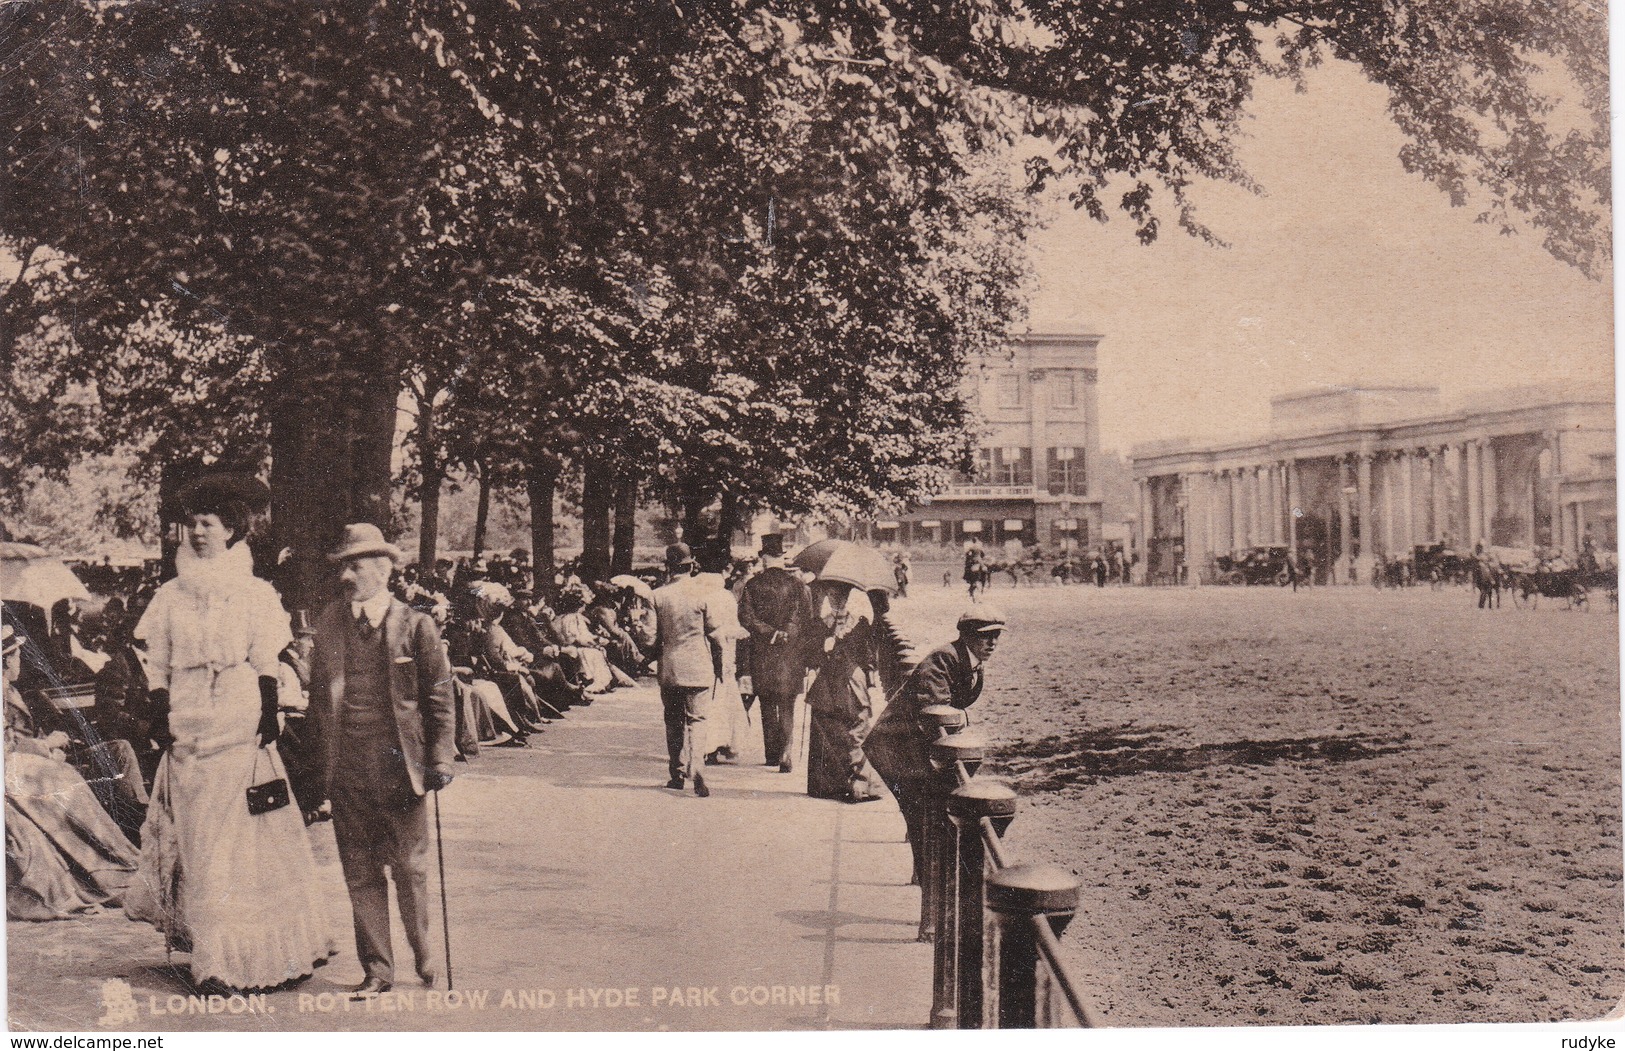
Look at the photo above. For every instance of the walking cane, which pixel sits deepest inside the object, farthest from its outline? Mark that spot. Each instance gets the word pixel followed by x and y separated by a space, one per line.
pixel 445 914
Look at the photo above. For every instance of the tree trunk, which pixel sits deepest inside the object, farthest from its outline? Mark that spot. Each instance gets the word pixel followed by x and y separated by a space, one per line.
pixel 596 494
pixel 695 500
pixel 434 475
pixel 482 510
pixel 730 519
pixel 330 453
pixel 626 527
pixel 541 481
pixel 429 518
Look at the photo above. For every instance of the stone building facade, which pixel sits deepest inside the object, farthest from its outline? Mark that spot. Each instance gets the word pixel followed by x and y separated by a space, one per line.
pixel 1348 474
pixel 1032 482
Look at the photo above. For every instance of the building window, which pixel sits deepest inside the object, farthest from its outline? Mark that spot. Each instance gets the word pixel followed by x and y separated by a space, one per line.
pixel 1066 472
pixel 1012 466
pixel 1063 387
pixel 1009 390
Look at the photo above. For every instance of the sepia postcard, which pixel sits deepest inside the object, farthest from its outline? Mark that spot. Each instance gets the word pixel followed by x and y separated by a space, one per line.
pixel 786 516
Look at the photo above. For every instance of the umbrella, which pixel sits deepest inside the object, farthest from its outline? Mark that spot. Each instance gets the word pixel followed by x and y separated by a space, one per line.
pixel 31 574
pixel 844 562
pixel 640 588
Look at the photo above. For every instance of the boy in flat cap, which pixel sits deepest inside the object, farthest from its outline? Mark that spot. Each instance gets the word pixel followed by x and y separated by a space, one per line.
pixel 897 746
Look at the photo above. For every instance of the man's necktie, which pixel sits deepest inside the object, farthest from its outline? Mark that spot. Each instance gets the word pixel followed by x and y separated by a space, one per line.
pixel 364 625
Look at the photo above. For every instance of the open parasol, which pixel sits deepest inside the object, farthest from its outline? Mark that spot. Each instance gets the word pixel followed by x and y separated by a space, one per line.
pixel 33 575
pixel 843 562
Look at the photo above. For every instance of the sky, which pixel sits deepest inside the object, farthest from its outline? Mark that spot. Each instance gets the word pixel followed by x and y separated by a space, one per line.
pixel 1347 270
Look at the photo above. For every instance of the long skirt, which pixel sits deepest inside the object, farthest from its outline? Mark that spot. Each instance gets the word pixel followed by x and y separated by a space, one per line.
pixel 64 855
pixel 836 767
pixel 238 891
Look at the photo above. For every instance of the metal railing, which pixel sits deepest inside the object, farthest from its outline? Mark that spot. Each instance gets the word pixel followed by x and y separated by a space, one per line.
pixel 995 926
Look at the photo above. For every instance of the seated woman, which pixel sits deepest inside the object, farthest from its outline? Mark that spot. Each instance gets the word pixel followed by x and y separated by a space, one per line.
pixel 64 854
pixel 502 660
pixel 554 667
pixel 573 629
pixel 604 617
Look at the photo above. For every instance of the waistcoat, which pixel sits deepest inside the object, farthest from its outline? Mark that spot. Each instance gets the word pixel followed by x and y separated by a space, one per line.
pixel 366 674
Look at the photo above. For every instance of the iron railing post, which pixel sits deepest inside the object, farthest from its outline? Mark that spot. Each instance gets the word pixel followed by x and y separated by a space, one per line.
pixel 936 722
pixel 968 806
pixel 950 754
pixel 1019 996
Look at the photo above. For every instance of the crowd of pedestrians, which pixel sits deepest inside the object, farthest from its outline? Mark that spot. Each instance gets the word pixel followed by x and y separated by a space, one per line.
pixel 169 755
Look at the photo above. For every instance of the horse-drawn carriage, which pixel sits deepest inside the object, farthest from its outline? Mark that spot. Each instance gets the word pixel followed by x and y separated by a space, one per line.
pixel 1257 565
pixel 1535 576
pixel 1439 564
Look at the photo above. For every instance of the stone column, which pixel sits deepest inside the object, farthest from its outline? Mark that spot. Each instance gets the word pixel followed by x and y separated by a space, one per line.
pixel 1344 534
pixel 1438 456
pixel 1560 531
pixel 1277 501
pixel 1475 499
pixel 1407 502
pixel 1235 510
pixel 1362 564
pixel 1491 493
pixel 1257 520
pixel 1211 485
pixel 1294 502
pixel 1385 465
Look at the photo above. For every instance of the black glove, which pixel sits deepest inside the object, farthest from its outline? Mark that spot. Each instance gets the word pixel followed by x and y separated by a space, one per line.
pixel 269 729
pixel 434 780
pixel 158 701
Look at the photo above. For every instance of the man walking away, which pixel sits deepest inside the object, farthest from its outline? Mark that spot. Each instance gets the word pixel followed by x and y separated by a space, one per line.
pixel 686 629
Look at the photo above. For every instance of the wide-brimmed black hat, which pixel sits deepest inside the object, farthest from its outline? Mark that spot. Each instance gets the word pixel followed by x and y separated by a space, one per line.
pixel 225 486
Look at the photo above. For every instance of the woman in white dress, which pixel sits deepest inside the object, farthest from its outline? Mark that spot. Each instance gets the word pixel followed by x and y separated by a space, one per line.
pixel 236 890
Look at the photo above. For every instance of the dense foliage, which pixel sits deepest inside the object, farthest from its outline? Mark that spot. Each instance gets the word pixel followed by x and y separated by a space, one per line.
pixel 743 249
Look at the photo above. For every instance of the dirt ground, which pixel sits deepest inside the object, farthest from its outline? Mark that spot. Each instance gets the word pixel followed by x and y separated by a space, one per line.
pixel 1337 806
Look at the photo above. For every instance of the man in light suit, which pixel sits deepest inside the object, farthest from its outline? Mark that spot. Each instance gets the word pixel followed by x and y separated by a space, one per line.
pixel 689 633
pixel 382 707
pixel 776 608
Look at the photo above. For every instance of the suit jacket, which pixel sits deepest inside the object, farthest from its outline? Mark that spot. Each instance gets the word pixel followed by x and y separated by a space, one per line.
pixel 687 624
pixel 419 686
pixel 776 600
pixel 896 745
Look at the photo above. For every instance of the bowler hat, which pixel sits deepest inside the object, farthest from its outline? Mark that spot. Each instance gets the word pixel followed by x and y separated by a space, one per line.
pixel 361 540
pixel 679 555
pixel 981 620
pixel 773 545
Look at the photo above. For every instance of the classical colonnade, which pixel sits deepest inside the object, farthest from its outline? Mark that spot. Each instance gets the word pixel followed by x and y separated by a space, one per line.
pixel 1385 500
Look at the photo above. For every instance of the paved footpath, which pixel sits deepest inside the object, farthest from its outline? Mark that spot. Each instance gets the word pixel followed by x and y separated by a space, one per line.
pixel 583 896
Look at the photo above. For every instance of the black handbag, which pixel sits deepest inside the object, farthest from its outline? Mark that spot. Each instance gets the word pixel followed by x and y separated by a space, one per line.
pixel 269 795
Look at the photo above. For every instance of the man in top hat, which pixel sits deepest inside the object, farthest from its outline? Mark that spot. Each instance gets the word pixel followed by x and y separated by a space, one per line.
pixel 690 630
pixel 898 746
pixel 777 609
pixel 382 706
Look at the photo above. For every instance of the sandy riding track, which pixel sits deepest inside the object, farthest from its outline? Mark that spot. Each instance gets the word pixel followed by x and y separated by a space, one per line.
pixel 1337 806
